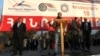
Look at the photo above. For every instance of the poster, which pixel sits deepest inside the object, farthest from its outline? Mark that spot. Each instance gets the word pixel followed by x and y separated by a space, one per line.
pixel 34 13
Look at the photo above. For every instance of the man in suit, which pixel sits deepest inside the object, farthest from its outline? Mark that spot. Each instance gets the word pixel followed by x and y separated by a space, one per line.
pixel 86 30
pixel 18 29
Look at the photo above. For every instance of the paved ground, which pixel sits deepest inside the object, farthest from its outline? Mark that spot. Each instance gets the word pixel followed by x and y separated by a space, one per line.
pixel 95 51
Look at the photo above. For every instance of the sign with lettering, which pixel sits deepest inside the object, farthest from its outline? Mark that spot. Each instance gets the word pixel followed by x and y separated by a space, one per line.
pixel 35 13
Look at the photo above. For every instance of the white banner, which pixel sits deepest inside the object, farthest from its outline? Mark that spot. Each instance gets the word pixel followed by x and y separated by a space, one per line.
pixel 50 8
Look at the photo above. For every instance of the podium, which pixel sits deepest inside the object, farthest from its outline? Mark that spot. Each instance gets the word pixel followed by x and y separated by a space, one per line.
pixel 62 22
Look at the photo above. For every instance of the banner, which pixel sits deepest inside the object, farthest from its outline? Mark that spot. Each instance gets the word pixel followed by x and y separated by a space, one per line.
pixel 35 13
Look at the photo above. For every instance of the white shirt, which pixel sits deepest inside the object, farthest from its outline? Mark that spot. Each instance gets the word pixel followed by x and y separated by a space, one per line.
pixel 86 25
pixel 18 24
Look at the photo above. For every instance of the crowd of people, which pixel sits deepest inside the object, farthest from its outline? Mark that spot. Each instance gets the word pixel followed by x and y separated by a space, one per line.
pixel 79 36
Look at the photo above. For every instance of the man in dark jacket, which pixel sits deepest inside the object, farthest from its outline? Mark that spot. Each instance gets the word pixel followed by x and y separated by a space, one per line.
pixel 86 30
pixel 75 29
pixel 18 29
